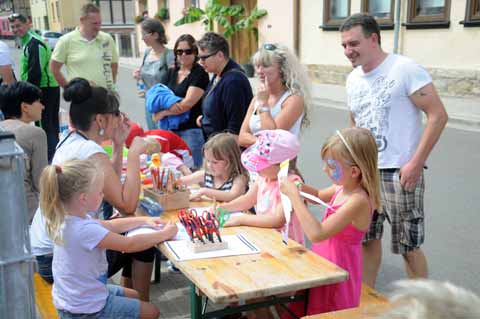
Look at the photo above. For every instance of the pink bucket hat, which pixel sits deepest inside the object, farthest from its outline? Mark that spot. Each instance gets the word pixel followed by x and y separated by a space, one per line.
pixel 271 147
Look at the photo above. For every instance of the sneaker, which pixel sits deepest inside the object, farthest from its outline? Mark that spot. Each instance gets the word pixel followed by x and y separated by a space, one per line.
pixel 171 268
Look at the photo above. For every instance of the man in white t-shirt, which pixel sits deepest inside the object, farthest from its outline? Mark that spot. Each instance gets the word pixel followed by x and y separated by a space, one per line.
pixel 6 64
pixel 386 94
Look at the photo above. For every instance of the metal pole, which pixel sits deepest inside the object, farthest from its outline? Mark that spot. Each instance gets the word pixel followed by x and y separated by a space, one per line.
pixel 397 23
pixel 16 260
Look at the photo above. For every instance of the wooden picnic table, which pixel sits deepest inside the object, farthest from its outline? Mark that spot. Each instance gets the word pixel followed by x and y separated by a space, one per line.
pixel 277 269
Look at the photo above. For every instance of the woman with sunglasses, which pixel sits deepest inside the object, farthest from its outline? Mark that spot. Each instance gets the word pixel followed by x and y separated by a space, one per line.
pixel 188 80
pixel 282 97
pixel 156 60
pixel 96 118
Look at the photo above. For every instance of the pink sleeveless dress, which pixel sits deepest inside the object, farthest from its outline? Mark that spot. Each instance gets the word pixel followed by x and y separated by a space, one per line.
pixel 345 250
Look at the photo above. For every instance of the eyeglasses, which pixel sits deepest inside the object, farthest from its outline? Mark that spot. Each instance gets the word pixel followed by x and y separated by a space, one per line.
pixel 206 56
pixel 270 47
pixel 144 34
pixel 14 16
pixel 181 51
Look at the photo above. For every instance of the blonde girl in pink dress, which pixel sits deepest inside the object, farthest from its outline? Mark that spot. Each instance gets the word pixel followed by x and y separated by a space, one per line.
pixel 350 158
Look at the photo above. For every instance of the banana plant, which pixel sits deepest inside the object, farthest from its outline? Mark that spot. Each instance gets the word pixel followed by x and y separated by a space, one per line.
pixel 216 12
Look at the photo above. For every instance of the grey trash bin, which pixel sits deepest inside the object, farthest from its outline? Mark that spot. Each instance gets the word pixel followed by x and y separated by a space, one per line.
pixel 16 260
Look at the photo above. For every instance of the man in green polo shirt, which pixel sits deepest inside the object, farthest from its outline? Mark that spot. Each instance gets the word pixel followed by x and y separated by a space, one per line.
pixel 34 60
pixel 86 52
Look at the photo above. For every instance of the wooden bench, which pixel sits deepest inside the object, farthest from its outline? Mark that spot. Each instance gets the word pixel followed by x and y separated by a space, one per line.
pixel 372 303
pixel 43 298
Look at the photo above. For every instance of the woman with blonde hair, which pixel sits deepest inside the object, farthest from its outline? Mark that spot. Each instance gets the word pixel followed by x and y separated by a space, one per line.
pixel 282 98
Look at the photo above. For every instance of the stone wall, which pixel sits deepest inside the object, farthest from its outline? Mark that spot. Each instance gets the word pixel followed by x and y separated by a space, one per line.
pixel 449 82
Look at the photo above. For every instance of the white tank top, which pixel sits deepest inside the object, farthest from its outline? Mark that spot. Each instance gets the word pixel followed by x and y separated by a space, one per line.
pixel 73 146
pixel 256 126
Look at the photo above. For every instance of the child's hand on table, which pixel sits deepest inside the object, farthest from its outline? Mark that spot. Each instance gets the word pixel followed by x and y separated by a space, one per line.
pixel 170 229
pixel 234 221
pixel 197 195
pixel 155 222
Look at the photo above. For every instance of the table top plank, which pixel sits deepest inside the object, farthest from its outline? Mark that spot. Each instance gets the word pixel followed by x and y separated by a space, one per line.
pixel 277 269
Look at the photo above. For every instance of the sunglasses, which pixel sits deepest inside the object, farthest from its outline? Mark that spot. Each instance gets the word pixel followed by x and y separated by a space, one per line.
pixel 269 46
pixel 206 56
pixel 13 17
pixel 181 51
pixel 114 113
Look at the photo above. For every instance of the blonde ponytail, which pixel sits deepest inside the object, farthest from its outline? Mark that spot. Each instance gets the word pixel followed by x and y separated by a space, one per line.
pixel 58 184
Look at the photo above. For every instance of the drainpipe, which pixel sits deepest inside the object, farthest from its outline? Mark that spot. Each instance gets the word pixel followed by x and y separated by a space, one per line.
pixel 398 24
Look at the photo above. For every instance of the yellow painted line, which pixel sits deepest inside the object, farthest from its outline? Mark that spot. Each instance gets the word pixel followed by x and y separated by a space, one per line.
pixel 43 298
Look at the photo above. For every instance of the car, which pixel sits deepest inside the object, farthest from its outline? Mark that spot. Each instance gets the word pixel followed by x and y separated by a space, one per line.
pixel 51 37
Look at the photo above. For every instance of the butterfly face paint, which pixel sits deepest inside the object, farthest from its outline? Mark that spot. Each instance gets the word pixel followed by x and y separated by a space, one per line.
pixel 335 169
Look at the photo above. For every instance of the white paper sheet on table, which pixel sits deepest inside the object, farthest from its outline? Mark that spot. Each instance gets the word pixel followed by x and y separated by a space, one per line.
pixel 237 245
pixel 286 203
pixel 181 234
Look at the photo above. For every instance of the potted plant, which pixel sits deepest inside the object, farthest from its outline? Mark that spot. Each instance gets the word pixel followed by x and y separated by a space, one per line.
pixel 162 14
pixel 216 12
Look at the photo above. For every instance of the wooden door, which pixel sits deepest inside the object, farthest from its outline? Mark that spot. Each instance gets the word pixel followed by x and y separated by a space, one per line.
pixel 243 44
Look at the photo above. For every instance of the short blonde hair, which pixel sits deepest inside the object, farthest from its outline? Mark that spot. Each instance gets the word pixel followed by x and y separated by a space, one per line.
pixel 293 74
pixel 428 299
pixel 224 147
pixel 88 8
pixel 58 185
pixel 359 149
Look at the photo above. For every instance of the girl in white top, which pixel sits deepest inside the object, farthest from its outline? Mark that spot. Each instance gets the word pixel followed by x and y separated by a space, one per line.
pixel 95 116
pixel 67 194
pixel 282 97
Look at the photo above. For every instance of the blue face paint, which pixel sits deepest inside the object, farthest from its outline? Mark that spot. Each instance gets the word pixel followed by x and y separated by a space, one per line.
pixel 335 169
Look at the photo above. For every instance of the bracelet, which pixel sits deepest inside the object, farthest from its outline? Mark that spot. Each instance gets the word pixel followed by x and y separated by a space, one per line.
pixel 264 109
pixel 298 184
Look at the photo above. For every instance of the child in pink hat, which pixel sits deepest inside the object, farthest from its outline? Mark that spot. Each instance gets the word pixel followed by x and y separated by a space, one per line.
pixel 264 157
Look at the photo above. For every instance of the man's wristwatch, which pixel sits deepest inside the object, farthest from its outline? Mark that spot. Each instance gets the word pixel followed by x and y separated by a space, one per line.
pixel 263 109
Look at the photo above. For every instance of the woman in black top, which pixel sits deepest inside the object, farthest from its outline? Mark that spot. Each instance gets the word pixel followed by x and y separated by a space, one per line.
pixel 188 80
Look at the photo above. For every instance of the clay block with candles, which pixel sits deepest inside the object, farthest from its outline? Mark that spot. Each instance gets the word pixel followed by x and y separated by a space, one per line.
pixel 164 189
pixel 199 247
pixel 170 201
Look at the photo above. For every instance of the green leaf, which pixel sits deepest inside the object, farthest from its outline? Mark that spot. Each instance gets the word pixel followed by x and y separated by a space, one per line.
pixel 234 11
pixel 223 22
pixel 193 15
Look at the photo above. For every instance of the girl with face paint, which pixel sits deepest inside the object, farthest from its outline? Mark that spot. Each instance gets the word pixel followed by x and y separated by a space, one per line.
pixel 350 158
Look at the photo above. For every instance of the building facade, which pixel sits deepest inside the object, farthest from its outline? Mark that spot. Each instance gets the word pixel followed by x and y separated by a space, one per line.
pixel 63 15
pixel 118 20
pixel 442 35
pixel 39 14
